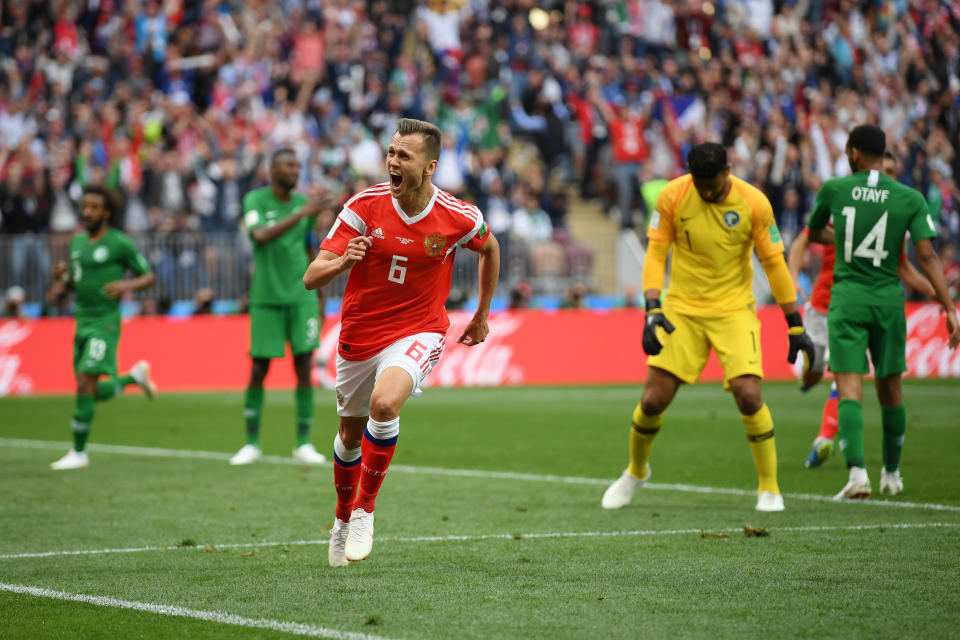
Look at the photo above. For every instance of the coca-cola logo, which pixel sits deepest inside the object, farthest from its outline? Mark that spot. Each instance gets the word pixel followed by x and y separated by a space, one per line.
pixel 928 353
pixel 490 363
pixel 12 381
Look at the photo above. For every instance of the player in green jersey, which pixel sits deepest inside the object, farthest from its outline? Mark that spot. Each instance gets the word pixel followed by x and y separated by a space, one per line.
pixel 279 221
pixel 872 215
pixel 99 260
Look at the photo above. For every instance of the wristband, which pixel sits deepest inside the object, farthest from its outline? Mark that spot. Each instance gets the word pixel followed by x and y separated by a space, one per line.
pixel 653 303
pixel 794 319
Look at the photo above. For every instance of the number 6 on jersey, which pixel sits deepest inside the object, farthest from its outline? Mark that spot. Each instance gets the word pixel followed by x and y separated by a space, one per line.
pixel 397 272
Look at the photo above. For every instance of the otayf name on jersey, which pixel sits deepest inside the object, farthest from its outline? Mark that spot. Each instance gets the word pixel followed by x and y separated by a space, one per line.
pixel 869 194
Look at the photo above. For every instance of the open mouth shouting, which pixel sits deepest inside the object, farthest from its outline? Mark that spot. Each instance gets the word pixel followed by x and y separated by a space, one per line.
pixel 396 181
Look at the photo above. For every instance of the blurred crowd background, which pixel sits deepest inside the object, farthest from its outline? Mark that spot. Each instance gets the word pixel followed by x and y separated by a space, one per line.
pixel 548 109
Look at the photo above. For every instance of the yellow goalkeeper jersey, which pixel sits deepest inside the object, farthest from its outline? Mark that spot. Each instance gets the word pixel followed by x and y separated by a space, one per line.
pixel 711 273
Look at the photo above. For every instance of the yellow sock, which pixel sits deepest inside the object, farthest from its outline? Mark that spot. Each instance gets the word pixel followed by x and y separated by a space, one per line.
pixel 759 428
pixel 642 433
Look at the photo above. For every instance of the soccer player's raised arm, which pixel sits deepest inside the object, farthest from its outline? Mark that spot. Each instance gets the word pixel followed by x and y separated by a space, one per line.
pixel 328 265
pixel 488 273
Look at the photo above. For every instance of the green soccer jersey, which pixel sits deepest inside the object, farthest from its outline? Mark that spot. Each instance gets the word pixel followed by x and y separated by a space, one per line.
pixel 279 265
pixel 94 264
pixel 871 217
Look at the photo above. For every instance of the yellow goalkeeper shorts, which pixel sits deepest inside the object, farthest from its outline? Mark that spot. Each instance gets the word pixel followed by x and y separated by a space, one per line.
pixel 735 339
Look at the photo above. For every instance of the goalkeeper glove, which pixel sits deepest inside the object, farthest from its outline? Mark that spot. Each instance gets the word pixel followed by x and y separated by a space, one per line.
pixel 655 318
pixel 799 341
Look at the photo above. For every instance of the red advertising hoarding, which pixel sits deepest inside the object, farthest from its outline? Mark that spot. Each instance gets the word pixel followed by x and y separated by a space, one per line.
pixel 209 353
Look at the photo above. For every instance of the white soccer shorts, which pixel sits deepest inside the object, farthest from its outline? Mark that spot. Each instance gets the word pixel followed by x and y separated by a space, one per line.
pixel 416 354
pixel 815 324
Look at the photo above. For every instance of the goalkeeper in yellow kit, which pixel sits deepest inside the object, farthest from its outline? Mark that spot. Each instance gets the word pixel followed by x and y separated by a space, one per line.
pixel 713 221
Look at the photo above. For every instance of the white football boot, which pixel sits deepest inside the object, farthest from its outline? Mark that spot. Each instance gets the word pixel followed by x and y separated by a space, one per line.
pixel 360 538
pixel 248 453
pixel 73 460
pixel 769 501
pixel 140 372
pixel 858 486
pixel 338 541
pixel 308 454
pixel 890 482
pixel 620 493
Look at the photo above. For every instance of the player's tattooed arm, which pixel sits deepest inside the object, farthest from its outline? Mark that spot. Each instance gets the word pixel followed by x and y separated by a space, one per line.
pixel 478 328
pixel 328 265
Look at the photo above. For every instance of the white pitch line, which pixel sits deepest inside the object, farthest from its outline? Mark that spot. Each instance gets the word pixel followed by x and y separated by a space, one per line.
pixel 296 628
pixel 463 473
pixel 482 537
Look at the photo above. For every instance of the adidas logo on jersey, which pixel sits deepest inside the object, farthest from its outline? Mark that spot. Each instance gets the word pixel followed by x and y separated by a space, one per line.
pixel 377 233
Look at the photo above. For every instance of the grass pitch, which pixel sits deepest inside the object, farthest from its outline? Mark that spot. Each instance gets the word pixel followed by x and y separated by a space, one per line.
pixel 488 526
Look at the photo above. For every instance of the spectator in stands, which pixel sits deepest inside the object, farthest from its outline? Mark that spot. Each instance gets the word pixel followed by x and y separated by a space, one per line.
pixel 626 122
pixel 631 297
pixel 25 213
pixel 532 227
pixel 576 297
pixel 13 301
pixel 203 301
pixel 520 295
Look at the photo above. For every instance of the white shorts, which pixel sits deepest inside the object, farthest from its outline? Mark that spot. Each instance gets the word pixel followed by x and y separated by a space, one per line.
pixel 815 324
pixel 416 354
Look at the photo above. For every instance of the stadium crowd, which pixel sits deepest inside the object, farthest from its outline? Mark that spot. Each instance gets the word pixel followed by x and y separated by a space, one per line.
pixel 176 104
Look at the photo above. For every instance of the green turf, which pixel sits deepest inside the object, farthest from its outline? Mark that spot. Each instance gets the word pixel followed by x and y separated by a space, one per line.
pixel 520 572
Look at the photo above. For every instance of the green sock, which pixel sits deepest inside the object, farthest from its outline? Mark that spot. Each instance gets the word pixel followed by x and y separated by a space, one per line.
pixel 252 404
pixel 304 401
pixel 894 420
pixel 82 417
pixel 111 387
pixel 850 431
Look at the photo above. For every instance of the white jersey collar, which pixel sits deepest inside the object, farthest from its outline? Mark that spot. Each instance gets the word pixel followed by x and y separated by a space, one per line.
pixel 419 216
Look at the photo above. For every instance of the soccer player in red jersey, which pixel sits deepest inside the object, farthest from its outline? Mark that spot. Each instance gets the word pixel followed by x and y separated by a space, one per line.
pixel 397 239
pixel 815 319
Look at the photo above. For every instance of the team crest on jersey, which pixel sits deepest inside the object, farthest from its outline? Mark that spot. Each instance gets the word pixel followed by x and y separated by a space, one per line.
pixel 731 219
pixel 434 244
pixel 100 254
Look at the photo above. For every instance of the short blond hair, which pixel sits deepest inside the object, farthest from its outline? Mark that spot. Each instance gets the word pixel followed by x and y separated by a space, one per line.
pixel 431 134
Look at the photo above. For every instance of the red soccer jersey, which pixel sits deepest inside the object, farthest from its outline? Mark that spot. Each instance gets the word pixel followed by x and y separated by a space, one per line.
pixel 400 287
pixel 820 297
